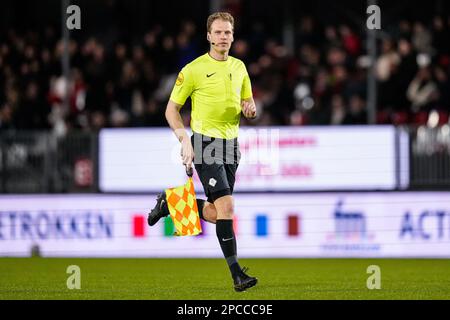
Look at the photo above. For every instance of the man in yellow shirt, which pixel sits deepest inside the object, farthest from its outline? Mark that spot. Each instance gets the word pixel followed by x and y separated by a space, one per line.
pixel 220 90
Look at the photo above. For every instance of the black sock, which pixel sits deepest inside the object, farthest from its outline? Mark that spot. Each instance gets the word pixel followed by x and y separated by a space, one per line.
pixel 200 205
pixel 227 240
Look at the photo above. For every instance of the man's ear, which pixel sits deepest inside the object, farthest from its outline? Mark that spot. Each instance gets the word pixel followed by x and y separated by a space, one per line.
pixel 208 37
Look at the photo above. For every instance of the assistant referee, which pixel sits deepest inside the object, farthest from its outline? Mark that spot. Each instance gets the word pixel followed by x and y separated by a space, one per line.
pixel 220 91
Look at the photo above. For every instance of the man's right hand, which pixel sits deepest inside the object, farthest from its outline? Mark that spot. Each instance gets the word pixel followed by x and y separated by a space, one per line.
pixel 187 152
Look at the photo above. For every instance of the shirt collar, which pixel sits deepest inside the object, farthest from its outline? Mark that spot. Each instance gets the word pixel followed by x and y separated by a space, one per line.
pixel 215 60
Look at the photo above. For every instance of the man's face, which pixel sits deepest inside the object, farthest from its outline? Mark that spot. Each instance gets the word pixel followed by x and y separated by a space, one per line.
pixel 221 34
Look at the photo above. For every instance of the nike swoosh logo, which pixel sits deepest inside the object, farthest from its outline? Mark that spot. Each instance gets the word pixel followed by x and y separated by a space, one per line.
pixel 209 75
pixel 227 239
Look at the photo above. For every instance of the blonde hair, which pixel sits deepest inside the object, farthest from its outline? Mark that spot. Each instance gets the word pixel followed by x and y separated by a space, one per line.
pixel 225 16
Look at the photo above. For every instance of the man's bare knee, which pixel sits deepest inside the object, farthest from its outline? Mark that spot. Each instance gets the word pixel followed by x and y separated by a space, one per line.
pixel 210 212
pixel 224 207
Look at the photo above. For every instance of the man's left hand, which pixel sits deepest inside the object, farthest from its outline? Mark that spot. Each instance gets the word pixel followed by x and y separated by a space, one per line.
pixel 248 109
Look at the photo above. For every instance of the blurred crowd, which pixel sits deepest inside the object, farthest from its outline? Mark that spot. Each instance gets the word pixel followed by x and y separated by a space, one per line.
pixel 320 80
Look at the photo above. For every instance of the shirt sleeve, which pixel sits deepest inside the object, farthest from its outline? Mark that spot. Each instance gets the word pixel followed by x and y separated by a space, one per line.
pixel 184 85
pixel 246 91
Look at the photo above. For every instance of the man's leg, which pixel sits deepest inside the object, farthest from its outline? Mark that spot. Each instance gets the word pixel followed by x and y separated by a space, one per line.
pixel 160 210
pixel 217 178
pixel 225 233
pixel 207 210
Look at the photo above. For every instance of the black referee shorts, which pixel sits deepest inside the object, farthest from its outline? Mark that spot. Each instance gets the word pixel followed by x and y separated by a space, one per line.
pixel 216 161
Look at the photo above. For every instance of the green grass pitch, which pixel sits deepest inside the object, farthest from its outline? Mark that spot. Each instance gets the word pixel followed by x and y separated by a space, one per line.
pixel 186 279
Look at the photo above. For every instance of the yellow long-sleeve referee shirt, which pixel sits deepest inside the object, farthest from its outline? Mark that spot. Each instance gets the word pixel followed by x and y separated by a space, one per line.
pixel 216 89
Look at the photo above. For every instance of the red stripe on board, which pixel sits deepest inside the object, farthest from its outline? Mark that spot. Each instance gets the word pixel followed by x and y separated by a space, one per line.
pixel 293 225
pixel 139 226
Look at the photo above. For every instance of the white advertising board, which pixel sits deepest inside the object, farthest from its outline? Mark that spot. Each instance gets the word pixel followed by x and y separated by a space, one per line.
pixel 273 159
pixel 384 224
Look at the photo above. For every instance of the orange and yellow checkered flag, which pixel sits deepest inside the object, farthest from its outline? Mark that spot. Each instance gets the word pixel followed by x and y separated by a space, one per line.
pixel 183 209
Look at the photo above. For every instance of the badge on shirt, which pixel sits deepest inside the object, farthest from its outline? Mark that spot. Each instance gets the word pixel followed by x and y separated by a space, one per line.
pixel 180 79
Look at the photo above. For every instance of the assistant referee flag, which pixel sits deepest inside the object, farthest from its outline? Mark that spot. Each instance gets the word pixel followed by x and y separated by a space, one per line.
pixel 183 209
